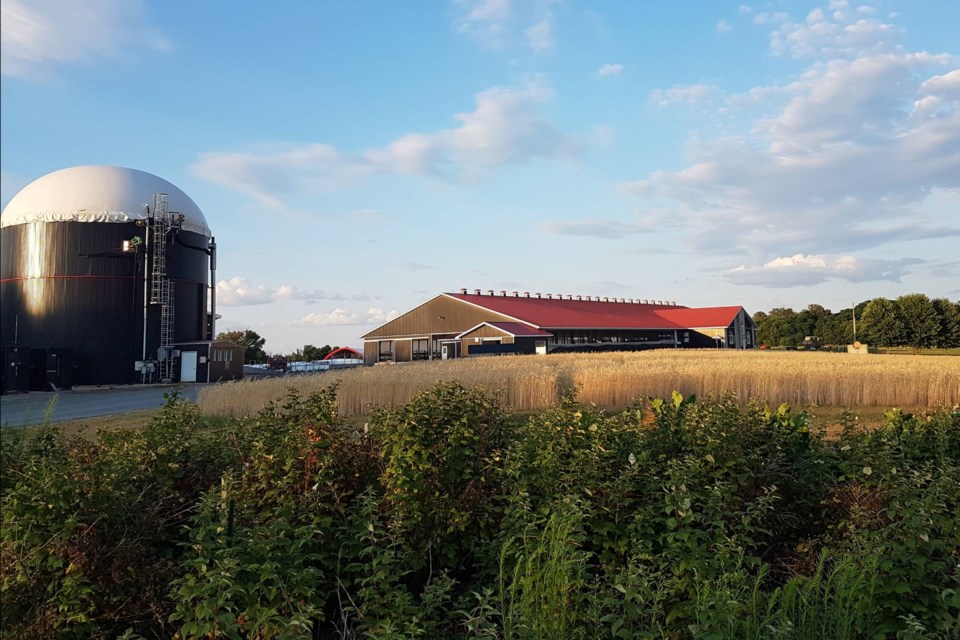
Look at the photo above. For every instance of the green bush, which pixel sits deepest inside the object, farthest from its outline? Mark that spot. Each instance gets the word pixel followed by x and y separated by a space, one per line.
pixel 448 518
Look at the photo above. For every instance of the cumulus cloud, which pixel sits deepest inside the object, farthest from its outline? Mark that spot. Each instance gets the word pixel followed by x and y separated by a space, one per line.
pixel 341 317
pixel 723 26
pixel 862 149
pixel 609 70
pixel 502 25
pixel 241 292
pixel 39 35
pixel 506 127
pixel 801 269
pixel 691 94
pixel 836 31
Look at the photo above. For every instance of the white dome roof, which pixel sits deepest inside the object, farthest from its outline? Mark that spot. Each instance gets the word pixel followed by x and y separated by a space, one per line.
pixel 98 194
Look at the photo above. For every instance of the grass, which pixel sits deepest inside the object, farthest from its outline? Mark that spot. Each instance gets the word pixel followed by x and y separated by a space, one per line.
pixel 612 381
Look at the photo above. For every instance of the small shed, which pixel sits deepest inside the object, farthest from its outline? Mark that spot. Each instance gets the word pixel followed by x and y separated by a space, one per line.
pixel 210 361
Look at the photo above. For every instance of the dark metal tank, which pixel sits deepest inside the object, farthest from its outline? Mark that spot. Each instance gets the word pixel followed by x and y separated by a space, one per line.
pixel 75 267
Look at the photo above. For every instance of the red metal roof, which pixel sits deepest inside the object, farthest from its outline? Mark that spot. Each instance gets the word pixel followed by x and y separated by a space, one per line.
pixel 702 317
pixel 344 352
pixel 557 313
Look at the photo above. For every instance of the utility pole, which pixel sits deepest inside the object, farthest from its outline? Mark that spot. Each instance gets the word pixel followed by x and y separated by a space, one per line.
pixel 854 321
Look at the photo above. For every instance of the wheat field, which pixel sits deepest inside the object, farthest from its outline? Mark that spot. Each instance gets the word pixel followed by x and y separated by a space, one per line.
pixel 614 380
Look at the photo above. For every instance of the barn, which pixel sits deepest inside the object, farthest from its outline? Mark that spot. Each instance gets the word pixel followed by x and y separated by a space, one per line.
pixel 453 325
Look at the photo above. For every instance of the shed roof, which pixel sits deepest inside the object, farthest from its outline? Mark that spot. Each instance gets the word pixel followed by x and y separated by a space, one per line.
pixel 515 329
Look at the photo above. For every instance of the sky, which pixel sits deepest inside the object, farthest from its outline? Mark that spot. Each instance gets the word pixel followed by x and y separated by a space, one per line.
pixel 355 159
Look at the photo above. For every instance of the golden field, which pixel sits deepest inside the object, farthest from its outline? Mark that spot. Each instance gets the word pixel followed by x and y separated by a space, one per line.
pixel 614 380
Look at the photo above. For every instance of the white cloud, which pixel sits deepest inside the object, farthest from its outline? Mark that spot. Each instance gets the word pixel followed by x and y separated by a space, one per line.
pixel 39 35
pixel 540 35
pixel 240 292
pixel 502 25
pixel 806 270
pixel 691 94
pixel 379 316
pixel 507 127
pixel 490 10
pixel 723 26
pixel 609 70
pixel 845 163
pixel 745 8
pixel 838 33
pixel 336 317
pixel 343 317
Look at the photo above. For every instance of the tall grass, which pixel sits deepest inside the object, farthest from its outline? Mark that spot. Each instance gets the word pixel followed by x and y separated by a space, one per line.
pixel 614 380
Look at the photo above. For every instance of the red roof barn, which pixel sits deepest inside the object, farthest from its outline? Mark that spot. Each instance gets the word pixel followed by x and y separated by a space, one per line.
pixel 463 324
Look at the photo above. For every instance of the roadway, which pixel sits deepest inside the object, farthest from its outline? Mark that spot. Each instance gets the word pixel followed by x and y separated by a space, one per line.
pixel 24 409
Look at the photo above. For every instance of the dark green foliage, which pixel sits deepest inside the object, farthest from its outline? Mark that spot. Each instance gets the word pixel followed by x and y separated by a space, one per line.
pixel 448 518
pixel 91 529
pixel 250 340
pixel 911 320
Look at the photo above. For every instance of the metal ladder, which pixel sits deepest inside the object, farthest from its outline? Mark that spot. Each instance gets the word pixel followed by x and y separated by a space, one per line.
pixel 161 288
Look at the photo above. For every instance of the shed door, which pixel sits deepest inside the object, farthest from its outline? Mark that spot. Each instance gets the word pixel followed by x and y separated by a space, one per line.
pixel 188 366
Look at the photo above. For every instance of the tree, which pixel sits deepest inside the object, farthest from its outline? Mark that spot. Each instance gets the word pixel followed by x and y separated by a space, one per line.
pixel 311 353
pixel 949 312
pixel 881 325
pixel 781 327
pixel 920 320
pixel 251 342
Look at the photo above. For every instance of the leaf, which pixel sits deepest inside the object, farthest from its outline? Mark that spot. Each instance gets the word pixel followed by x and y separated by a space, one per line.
pixel 867 471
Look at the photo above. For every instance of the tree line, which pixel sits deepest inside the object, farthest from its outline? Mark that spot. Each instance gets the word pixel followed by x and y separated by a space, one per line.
pixel 253 348
pixel 912 320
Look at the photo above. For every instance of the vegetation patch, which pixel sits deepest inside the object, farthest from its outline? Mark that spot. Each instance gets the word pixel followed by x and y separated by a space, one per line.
pixel 451 516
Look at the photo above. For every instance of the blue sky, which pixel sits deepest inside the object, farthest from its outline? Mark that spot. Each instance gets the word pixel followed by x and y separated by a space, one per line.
pixel 356 158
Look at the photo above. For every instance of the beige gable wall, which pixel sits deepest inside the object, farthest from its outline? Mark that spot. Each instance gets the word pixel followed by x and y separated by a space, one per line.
pixel 439 315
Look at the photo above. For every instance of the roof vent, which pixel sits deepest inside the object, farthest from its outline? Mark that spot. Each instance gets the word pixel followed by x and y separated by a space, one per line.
pixel 489 292
pixel 673 303
pixel 503 293
pixel 526 294
pixel 623 299
pixel 463 291
pixel 516 294
pixel 606 299
pixel 569 296
pixel 476 292
pixel 538 294
pixel 646 302
pixel 579 297
pixel 630 300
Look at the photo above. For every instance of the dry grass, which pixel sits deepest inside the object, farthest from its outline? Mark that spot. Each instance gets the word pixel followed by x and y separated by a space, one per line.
pixel 614 380
pixel 88 427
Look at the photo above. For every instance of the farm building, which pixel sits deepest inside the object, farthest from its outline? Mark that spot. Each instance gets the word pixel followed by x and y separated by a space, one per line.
pixel 454 325
pixel 104 273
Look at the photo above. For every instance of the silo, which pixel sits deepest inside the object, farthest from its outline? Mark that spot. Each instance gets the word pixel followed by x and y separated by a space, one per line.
pixel 102 271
